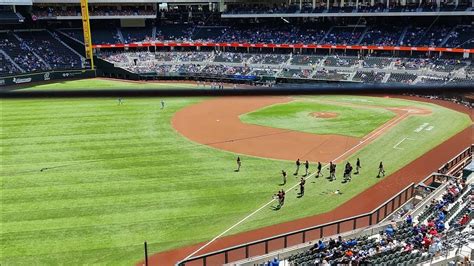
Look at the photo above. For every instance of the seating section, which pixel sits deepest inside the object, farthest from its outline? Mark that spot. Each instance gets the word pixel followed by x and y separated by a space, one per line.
pixel 76 34
pixel 426 36
pixel 207 33
pixel 369 77
pixel 303 33
pixel 54 11
pixel 376 62
pixel 131 35
pixel 7 67
pixel 306 60
pixel 36 51
pixel 265 72
pixel 348 8
pixel 409 241
pixel 189 68
pixel 174 32
pixel 413 63
pixel 232 57
pixel 343 35
pixel 239 71
pixel 215 70
pixel 448 65
pixel 370 69
pixel 52 51
pixel 341 61
pixel 296 73
pixel 461 37
pixel 402 78
pixel 383 36
pixel 105 36
pixel 325 74
pixel 21 53
pixel 269 59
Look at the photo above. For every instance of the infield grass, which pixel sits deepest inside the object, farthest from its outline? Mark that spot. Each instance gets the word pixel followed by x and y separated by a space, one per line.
pixel 298 116
pixel 114 176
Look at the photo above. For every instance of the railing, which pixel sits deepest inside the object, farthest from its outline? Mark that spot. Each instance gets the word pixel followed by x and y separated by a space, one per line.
pixel 460 157
pixel 264 246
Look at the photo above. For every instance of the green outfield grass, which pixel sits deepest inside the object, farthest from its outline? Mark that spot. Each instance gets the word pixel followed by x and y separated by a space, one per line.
pixel 296 115
pixel 114 176
pixel 105 84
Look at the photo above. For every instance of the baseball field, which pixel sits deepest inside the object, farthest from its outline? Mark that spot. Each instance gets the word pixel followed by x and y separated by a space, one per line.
pixel 86 180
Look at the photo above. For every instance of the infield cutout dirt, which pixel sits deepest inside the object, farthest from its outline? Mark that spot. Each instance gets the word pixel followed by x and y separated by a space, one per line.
pixel 216 123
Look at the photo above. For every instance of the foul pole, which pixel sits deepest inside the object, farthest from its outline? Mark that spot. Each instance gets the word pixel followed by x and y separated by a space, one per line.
pixel 86 28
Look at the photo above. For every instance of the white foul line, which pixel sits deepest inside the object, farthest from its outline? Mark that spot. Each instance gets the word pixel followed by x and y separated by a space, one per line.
pixel 268 203
pixel 396 145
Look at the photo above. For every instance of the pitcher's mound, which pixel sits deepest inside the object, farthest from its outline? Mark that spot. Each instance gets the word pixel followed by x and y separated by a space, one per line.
pixel 324 115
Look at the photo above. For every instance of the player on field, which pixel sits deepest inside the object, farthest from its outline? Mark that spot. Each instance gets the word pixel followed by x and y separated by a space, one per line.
pixel 358 167
pixel 120 101
pixel 347 172
pixel 283 173
pixel 298 163
pixel 306 166
pixel 302 182
pixel 319 169
pixel 239 164
pixel 381 170
pixel 281 198
pixel 162 104
pixel 332 171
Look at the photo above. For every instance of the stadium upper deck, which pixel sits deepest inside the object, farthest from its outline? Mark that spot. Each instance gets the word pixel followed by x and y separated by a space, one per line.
pixel 211 26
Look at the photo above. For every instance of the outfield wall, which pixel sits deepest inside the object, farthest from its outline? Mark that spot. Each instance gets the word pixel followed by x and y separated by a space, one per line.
pixel 45 77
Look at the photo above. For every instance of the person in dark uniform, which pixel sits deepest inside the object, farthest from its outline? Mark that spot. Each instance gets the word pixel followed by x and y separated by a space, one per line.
pixel 381 170
pixel 306 166
pixel 347 172
pixel 298 163
pixel 358 167
pixel 120 101
pixel 278 196
pixel 332 171
pixel 283 173
pixel 282 197
pixel 319 169
pixel 239 164
pixel 302 182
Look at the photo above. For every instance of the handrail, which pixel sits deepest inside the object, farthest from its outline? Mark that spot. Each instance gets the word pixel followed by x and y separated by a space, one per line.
pixel 451 163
